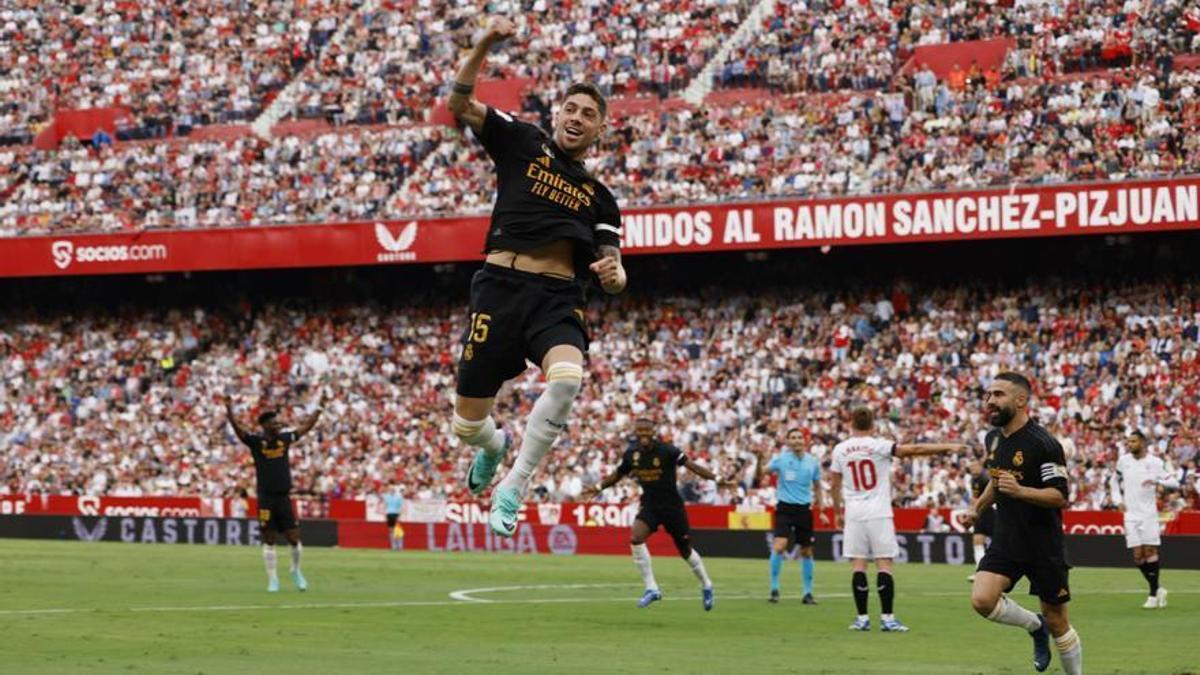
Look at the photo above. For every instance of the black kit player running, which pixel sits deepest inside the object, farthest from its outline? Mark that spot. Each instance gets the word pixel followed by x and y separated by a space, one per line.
pixel 1029 488
pixel 1027 540
pixel 553 226
pixel 273 477
pixel 653 464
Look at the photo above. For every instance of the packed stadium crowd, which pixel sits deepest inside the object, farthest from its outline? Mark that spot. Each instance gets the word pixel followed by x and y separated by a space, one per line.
pixel 173 65
pixel 329 177
pixel 826 46
pixel 131 403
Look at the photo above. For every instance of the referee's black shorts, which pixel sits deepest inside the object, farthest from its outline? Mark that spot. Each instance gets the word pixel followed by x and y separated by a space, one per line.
pixel 1048 578
pixel 794 521
pixel 516 316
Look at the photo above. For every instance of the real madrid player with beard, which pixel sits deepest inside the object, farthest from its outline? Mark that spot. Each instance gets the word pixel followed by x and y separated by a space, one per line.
pixel 1029 487
pixel 1134 490
pixel 653 463
pixel 553 224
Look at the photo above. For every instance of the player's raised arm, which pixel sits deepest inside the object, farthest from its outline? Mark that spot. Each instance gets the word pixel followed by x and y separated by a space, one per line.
pixel 462 101
pixel 311 420
pixel 926 449
pixel 238 430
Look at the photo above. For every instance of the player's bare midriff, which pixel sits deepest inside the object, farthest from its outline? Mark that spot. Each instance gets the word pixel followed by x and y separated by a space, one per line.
pixel 555 259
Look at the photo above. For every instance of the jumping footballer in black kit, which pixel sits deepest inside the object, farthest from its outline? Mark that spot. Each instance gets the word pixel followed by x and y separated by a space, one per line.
pixel 1029 488
pixel 552 227
pixel 653 463
pixel 274 479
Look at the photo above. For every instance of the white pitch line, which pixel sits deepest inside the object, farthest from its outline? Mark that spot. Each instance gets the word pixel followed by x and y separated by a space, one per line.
pixel 465 595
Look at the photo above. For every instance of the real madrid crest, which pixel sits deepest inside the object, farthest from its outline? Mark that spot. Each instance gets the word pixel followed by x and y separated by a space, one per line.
pixel 1018 458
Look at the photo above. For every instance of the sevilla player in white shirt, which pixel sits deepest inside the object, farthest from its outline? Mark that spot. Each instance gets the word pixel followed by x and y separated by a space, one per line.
pixel 866 464
pixel 1134 490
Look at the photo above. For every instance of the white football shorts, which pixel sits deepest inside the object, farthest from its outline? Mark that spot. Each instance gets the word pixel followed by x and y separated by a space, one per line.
pixel 1141 532
pixel 874 538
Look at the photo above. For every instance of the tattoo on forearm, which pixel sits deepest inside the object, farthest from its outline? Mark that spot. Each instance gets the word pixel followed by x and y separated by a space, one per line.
pixel 610 252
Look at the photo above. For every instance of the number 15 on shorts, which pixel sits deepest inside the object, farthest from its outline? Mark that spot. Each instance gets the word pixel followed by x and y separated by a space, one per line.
pixel 478 333
pixel 479 327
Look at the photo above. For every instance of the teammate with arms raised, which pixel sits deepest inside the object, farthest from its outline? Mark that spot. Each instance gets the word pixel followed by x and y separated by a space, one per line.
pixel 799 489
pixel 1134 490
pixel 862 476
pixel 653 463
pixel 552 225
pixel 1029 487
pixel 274 480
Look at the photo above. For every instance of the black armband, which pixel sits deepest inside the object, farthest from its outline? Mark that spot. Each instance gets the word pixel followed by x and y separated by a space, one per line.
pixel 463 89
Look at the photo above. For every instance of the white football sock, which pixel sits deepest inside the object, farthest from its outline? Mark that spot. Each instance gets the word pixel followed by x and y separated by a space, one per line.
pixel 296 549
pixel 547 419
pixel 641 558
pixel 268 551
pixel 479 433
pixel 979 551
pixel 697 566
pixel 1070 651
pixel 1012 614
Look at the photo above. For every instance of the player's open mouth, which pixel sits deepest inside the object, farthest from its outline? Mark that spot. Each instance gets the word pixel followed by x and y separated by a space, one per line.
pixel 573 134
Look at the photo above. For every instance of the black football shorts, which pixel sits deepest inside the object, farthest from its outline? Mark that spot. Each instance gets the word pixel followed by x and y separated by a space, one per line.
pixel 516 316
pixel 1048 579
pixel 795 522
pixel 275 512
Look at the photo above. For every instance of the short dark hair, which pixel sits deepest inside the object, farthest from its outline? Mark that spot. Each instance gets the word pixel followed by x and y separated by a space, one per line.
pixel 589 89
pixel 267 417
pixel 862 419
pixel 1139 433
pixel 793 430
pixel 1017 379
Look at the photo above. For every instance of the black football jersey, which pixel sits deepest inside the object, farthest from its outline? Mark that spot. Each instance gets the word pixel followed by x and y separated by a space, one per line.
pixel 542 195
pixel 1024 531
pixel 654 469
pixel 271 467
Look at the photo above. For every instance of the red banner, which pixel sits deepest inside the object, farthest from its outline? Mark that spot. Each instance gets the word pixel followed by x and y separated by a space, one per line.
pixel 1146 206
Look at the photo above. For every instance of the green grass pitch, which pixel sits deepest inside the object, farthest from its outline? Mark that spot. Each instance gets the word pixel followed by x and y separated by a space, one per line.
pixel 118 608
